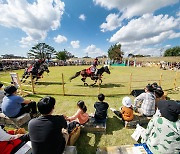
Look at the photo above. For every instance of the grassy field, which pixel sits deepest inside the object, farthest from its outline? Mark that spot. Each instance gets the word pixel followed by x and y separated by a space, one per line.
pixel 115 86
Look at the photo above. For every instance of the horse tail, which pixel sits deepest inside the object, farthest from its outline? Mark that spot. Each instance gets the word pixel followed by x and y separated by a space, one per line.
pixel 76 75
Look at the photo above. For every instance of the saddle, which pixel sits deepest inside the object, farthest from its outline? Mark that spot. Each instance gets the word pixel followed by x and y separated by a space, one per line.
pixel 30 69
pixel 88 71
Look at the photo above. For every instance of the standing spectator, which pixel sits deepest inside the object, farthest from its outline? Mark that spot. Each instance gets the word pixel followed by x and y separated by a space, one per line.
pixel 126 111
pixel 46 131
pixel 145 102
pixel 101 109
pixel 13 105
pixel 162 134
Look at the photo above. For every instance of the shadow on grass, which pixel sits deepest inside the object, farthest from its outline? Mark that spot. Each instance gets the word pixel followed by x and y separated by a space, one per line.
pixel 34 95
pixel 114 124
pixel 48 83
pixel 109 85
pixel 83 143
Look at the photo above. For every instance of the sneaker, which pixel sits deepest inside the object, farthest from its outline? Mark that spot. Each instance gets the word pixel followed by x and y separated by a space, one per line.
pixel 112 109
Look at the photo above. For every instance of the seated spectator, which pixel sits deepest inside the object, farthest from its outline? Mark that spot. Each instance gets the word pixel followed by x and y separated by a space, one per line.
pixel 13 105
pixel 145 102
pixel 126 111
pixel 80 116
pixel 1 95
pixel 101 109
pixel 46 131
pixel 162 134
pixel 10 141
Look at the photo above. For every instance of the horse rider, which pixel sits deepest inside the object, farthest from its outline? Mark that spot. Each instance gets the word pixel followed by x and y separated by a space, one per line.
pixel 37 65
pixel 93 67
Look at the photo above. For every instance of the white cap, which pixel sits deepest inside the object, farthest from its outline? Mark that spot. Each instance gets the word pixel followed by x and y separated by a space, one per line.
pixel 126 101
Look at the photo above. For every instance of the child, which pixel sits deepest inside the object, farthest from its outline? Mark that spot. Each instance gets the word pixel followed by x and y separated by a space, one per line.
pixel 101 109
pixel 80 116
pixel 126 111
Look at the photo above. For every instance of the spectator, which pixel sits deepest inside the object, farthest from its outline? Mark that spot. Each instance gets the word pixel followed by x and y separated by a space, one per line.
pixel 162 134
pixel 10 142
pixel 145 102
pixel 1 95
pixel 101 109
pixel 13 106
pixel 46 131
pixel 126 111
pixel 80 116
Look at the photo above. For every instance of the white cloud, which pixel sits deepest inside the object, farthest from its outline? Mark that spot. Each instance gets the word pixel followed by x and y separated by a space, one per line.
pixel 92 51
pixel 130 8
pixel 60 39
pixel 112 22
pixel 178 14
pixel 34 19
pixel 82 17
pixel 146 30
pixel 75 44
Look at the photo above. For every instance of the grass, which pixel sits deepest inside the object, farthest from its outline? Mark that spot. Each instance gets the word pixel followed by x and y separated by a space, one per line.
pixel 115 86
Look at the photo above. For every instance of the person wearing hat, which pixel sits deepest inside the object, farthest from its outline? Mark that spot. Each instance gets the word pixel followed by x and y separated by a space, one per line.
pixel 145 102
pixel 126 111
pixel 162 134
pixel 13 105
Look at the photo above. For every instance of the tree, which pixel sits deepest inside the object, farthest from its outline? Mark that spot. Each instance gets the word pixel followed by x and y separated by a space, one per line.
pixel 41 51
pixel 115 53
pixel 64 55
pixel 175 51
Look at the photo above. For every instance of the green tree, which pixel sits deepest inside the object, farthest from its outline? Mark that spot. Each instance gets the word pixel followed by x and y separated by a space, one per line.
pixel 64 55
pixel 115 53
pixel 41 51
pixel 175 51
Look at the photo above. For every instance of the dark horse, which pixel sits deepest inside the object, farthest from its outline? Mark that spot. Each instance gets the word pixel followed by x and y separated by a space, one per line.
pixel 84 75
pixel 35 74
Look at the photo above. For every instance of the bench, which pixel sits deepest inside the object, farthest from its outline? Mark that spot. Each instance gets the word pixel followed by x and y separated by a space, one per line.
pixel 92 126
pixel 124 149
pixel 138 119
pixel 27 149
pixel 17 122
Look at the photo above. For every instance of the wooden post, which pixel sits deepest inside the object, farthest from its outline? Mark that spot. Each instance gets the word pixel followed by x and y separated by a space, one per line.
pixel 175 81
pixel 160 81
pixel 63 84
pixel 99 87
pixel 32 83
pixel 130 81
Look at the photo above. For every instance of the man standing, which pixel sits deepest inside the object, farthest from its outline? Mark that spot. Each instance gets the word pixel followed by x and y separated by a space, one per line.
pixel 46 131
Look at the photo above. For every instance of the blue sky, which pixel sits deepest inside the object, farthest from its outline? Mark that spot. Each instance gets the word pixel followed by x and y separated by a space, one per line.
pixel 89 27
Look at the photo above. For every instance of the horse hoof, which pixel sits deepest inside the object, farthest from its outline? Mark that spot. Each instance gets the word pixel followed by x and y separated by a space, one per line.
pixel 85 84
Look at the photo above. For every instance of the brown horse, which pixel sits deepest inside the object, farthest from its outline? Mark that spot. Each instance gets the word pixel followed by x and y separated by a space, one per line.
pixel 84 75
